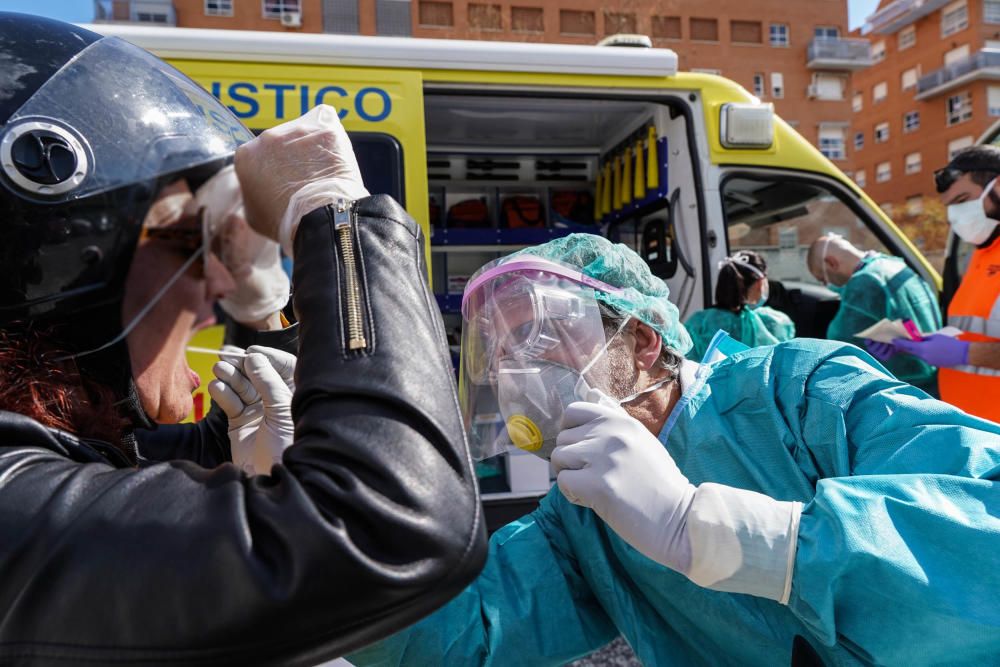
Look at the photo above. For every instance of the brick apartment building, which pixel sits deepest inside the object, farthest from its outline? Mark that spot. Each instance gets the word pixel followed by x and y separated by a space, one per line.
pixel 791 53
pixel 934 88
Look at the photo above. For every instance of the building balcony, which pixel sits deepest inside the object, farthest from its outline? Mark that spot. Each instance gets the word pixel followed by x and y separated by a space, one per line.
pixel 153 12
pixel 982 65
pixel 899 14
pixel 839 54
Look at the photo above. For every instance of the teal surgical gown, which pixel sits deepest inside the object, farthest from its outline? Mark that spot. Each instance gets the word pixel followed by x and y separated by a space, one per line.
pixel 752 327
pixel 898 555
pixel 885 288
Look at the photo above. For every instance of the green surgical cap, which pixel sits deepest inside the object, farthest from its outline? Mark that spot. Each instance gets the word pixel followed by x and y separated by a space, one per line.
pixel 645 296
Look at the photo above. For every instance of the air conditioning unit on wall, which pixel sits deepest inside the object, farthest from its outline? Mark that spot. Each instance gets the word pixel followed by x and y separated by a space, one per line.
pixel 291 19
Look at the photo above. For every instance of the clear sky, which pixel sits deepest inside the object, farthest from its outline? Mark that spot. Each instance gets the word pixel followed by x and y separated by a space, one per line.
pixel 83 10
pixel 857 11
pixel 67 10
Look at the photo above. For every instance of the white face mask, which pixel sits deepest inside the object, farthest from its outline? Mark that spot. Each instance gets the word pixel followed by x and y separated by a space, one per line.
pixel 533 395
pixel 969 220
pixel 765 294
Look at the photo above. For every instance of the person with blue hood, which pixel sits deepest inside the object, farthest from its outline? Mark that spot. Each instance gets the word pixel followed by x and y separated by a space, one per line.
pixel 740 294
pixel 772 502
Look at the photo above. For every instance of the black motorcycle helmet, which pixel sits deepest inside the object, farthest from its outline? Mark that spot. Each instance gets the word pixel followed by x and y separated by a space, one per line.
pixel 91 128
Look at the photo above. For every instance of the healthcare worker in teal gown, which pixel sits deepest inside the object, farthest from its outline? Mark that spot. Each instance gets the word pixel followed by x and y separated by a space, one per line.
pixel 740 294
pixel 796 493
pixel 872 287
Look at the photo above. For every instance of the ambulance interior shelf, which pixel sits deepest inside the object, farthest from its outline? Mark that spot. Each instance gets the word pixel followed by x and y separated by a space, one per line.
pixel 508 200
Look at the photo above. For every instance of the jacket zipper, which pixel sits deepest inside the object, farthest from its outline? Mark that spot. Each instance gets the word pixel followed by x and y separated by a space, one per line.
pixel 342 218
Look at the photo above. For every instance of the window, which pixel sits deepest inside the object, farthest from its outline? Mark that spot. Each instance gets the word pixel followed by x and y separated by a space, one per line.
pixel 380 159
pixel 956 55
pixel 878 51
pixel 959 108
pixel 859 140
pixel 991 11
pixel 619 22
pixel 828 86
pixel 758 84
pixel 911 121
pixel 704 30
pixel 993 100
pixel 575 22
pixel 954 18
pixel 907 38
pixel 666 27
pixel 909 78
pixel 435 14
pixel 484 17
pixel 779 34
pixel 218 7
pixel 860 178
pixel 746 32
pixel 781 216
pixel 913 163
pixel 879 92
pixel 152 17
pixel 273 9
pixel 527 19
pixel 883 172
pixel 858 102
pixel 914 205
pixel 881 133
pixel 777 85
pixel 957 145
pixel 393 18
pixel 826 32
pixel 831 143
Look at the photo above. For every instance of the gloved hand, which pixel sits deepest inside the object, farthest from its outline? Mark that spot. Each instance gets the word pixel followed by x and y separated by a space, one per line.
pixel 253 261
pixel 881 351
pixel 937 350
pixel 719 537
pixel 256 395
pixel 295 168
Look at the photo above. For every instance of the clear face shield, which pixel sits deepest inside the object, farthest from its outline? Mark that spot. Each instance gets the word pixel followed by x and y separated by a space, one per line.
pixel 533 342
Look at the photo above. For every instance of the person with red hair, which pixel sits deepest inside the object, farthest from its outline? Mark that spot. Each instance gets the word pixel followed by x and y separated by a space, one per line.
pixel 109 260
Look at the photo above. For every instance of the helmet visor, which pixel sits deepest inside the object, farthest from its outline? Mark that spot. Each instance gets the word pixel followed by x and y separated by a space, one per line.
pixel 113 116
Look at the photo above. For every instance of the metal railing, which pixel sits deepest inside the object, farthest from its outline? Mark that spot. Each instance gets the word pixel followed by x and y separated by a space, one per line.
pixel 900 13
pixel 847 50
pixel 984 59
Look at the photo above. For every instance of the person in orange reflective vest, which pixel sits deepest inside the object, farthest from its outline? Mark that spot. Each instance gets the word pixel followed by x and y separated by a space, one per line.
pixel 969 375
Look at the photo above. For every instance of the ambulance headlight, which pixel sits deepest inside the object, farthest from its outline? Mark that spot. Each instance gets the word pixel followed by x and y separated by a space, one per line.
pixel 747 125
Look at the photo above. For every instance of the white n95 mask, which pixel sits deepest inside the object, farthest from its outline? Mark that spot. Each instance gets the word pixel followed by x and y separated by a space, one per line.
pixel 532 398
pixel 969 219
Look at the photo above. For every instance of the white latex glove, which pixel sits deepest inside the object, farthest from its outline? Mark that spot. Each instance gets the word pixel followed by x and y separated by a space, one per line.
pixel 254 261
pixel 294 168
pixel 257 397
pixel 720 537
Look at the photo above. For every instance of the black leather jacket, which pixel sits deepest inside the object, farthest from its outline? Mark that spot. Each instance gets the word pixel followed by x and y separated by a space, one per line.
pixel 372 522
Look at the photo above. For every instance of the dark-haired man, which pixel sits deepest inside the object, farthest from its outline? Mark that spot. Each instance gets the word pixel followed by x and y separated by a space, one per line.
pixel 969 364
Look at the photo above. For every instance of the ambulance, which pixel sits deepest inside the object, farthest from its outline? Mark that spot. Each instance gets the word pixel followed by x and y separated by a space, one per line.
pixel 494 146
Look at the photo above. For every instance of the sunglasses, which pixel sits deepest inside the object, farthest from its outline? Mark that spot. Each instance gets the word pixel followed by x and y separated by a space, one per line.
pixel 186 234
